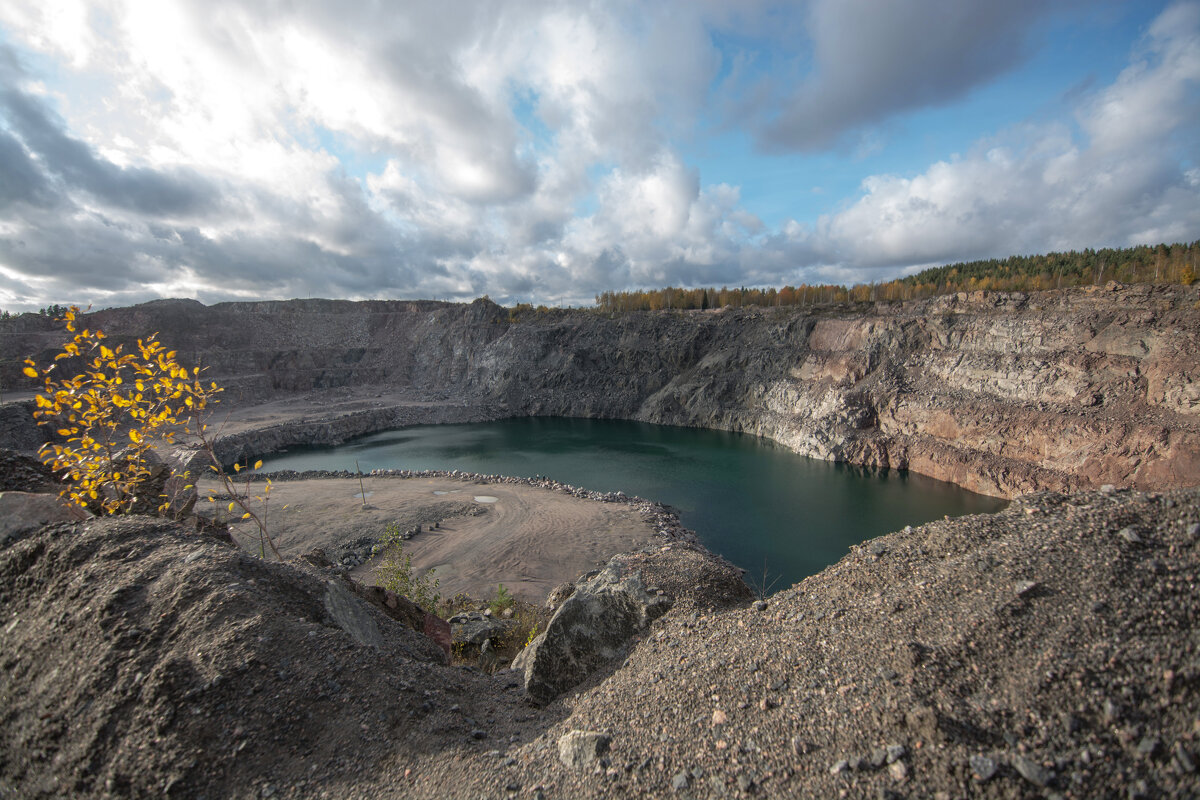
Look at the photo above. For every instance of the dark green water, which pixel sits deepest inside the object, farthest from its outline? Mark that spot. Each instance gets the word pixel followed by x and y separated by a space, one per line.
pixel 748 499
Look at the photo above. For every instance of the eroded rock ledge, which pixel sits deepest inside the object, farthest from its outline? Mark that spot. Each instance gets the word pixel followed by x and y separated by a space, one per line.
pixel 1002 393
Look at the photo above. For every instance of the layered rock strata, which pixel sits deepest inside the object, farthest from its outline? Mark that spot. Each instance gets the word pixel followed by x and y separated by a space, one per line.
pixel 1002 393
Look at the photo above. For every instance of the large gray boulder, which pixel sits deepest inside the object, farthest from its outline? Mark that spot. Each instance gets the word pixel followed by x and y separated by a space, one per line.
pixel 590 629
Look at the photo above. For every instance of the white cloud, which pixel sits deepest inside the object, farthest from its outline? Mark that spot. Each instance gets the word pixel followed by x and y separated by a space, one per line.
pixel 1037 188
pixel 534 151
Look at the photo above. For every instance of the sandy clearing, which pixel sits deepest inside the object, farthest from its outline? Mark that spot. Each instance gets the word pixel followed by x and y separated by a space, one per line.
pixel 528 538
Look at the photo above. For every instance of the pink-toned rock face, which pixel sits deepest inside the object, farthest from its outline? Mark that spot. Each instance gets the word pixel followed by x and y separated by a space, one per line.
pixel 1003 393
pixel 23 512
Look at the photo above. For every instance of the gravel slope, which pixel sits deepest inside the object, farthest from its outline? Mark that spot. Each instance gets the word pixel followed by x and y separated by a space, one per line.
pixel 1047 649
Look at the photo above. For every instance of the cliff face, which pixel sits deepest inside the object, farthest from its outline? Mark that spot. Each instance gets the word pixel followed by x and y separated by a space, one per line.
pixel 1001 393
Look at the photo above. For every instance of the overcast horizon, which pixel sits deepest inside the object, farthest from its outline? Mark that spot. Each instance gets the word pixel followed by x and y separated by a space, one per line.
pixel 545 152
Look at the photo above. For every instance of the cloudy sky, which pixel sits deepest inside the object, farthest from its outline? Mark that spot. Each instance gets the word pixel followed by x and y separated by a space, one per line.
pixel 546 151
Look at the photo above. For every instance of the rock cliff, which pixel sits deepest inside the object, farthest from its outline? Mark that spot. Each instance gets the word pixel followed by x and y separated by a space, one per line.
pixel 1002 393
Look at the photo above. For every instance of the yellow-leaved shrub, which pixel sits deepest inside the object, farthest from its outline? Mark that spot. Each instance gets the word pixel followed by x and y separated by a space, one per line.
pixel 107 415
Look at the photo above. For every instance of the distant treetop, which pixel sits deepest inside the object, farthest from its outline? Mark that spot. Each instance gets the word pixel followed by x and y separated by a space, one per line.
pixel 1164 263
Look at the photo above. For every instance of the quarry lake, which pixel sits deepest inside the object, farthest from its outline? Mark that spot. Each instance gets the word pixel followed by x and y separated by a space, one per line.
pixel 748 499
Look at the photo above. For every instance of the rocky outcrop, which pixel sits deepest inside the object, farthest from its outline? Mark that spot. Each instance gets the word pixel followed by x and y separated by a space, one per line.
pixel 591 628
pixel 1002 393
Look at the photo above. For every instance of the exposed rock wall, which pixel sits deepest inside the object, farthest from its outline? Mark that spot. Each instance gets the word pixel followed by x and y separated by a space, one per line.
pixel 1001 393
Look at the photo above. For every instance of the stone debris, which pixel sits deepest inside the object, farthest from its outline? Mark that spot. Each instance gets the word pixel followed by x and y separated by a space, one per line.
pixel 1032 771
pixel 983 768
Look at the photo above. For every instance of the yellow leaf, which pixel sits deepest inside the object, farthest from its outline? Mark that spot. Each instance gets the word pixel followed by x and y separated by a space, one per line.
pixel 237 467
pixel 231 506
pixel 135 437
pixel 31 372
pixel 246 515
pixel 258 464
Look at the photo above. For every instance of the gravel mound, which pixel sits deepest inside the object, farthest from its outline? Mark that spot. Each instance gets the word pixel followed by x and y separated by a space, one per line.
pixel 1048 650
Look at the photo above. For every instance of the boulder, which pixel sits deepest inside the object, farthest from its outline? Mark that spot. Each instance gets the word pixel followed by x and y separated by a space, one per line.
pixel 473 628
pixel 180 496
pixel 559 594
pixel 22 513
pixel 581 749
pixel 591 628
pixel 350 615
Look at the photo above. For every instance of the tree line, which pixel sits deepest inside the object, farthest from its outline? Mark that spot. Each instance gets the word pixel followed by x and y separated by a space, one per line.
pixel 1163 263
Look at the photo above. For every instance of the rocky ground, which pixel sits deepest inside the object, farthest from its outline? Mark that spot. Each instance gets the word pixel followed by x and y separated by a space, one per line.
pixel 1046 651
pixel 1049 650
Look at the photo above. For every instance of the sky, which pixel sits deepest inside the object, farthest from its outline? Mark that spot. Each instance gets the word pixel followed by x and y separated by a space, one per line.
pixel 547 151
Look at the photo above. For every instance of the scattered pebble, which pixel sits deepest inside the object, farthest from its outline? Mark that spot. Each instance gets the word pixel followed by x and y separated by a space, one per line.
pixel 983 768
pixel 1130 535
pixel 1032 771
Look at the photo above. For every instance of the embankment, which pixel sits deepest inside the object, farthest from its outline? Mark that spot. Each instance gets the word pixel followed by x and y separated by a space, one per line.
pixel 1002 393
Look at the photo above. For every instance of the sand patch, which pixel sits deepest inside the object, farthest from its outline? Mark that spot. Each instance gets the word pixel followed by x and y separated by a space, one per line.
pixel 528 538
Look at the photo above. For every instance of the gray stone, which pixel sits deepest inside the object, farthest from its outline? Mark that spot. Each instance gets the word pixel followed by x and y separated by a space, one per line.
pixel 1025 587
pixel 842 765
pixel 760 605
pixel 1148 746
pixel 180 495
pixel 581 749
pixel 878 548
pixel 351 615
pixel 559 594
pixel 1130 535
pixel 591 628
pixel 983 768
pixel 680 781
pixel 1182 760
pixel 878 757
pixel 1032 771
pixel 473 628
pixel 1193 531
pixel 1112 711
pixel 895 752
pixel 1108 488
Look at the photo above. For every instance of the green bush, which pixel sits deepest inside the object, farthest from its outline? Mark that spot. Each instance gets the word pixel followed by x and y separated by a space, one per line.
pixel 503 599
pixel 395 572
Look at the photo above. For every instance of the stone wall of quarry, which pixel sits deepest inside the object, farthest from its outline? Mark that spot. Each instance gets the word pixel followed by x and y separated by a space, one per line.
pixel 1002 393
